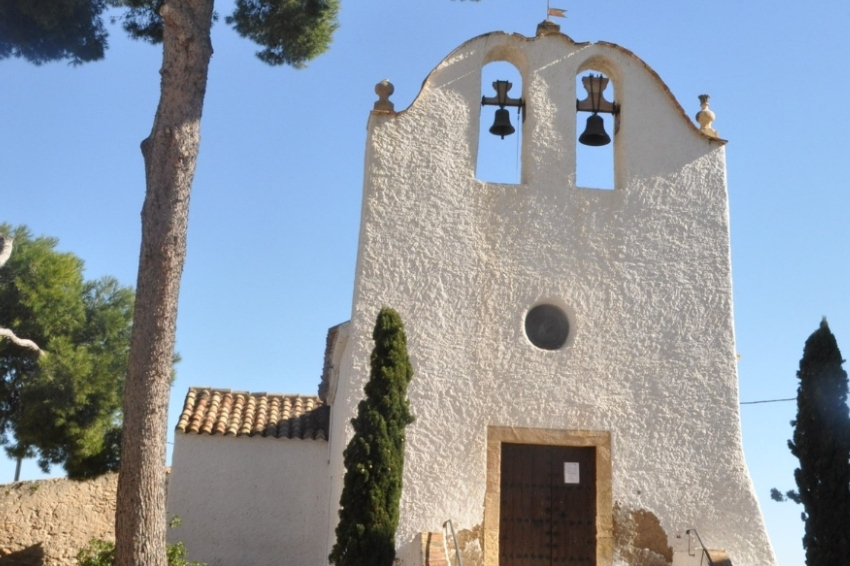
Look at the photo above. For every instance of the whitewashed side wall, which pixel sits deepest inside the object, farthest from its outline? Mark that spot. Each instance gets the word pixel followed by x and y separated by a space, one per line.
pixel 643 271
pixel 250 501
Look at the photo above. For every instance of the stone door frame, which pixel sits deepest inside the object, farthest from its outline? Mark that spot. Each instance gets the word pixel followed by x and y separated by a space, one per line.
pixel 601 440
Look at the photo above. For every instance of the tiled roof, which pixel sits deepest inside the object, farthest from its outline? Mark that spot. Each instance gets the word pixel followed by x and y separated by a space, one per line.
pixel 239 413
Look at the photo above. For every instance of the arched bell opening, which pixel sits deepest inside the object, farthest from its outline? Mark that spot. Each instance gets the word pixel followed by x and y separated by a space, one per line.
pixel 596 125
pixel 500 124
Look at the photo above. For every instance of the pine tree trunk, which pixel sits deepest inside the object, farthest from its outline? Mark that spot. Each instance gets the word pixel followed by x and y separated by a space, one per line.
pixel 170 154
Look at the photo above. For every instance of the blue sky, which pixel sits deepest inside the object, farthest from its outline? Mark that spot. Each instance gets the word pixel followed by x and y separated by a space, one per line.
pixel 275 206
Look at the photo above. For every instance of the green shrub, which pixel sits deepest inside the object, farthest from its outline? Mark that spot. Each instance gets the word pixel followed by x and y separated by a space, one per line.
pixel 100 552
pixel 97 552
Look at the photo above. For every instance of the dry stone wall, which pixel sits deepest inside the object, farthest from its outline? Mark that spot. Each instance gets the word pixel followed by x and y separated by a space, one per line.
pixel 46 522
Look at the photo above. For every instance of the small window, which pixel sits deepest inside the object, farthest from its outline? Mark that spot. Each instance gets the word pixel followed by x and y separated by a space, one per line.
pixel 499 159
pixel 547 327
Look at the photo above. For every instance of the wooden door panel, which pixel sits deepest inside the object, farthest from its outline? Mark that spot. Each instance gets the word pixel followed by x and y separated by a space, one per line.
pixel 573 507
pixel 544 520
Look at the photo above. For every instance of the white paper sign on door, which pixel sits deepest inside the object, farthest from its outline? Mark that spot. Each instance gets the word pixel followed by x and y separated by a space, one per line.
pixel 571 472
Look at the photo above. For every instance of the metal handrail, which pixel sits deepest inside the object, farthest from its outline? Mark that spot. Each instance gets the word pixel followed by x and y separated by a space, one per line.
pixel 454 539
pixel 704 549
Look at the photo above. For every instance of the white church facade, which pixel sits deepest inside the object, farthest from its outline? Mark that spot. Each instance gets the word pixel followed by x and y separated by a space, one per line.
pixel 575 385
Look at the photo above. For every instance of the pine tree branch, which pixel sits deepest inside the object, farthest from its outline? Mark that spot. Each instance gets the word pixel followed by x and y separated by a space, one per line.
pixel 6 243
pixel 22 342
pixel 5 248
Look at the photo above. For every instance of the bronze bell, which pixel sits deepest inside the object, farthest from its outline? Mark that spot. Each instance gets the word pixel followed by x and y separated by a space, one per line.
pixel 594 134
pixel 502 125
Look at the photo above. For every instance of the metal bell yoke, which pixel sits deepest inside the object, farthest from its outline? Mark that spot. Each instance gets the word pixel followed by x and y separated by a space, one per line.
pixel 502 124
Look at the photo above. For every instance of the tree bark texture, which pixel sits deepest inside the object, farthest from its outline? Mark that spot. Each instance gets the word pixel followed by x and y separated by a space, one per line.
pixel 170 154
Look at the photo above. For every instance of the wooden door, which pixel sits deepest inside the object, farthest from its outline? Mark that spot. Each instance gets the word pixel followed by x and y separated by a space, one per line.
pixel 548 506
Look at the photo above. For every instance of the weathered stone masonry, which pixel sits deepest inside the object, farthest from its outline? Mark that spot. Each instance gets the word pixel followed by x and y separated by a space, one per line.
pixel 46 522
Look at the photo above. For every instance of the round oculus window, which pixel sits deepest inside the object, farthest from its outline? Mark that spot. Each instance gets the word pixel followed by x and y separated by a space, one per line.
pixel 547 327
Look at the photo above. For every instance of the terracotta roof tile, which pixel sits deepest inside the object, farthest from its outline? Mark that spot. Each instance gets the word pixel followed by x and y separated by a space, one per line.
pixel 239 413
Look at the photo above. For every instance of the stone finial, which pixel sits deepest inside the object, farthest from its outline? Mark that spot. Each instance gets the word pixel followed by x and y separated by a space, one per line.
pixel 705 117
pixel 384 90
pixel 548 27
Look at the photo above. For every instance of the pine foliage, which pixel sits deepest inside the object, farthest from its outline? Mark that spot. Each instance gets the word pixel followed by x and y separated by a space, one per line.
pixel 822 444
pixel 291 32
pixel 374 459
pixel 141 20
pixel 41 31
pixel 65 405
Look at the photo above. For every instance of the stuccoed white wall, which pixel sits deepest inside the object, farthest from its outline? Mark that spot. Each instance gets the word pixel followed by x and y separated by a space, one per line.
pixel 250 501
pixel 643 272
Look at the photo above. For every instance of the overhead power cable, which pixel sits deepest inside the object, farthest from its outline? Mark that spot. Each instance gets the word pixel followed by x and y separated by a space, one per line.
pixel 767 401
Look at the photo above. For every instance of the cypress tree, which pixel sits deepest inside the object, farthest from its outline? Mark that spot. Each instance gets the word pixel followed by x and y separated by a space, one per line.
pixel 822 444
pixel 374 459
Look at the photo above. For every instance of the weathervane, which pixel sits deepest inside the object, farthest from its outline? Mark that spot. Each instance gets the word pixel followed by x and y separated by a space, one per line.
pixel 547 26
pixel 557 12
